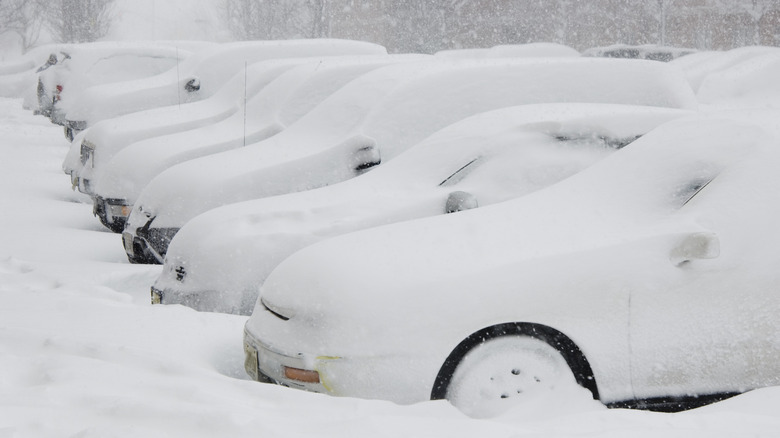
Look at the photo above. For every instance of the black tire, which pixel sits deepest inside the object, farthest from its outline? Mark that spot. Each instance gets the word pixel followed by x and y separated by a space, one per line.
pixel 543 342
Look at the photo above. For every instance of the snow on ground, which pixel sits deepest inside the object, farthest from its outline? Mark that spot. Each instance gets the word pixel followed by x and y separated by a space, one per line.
pixel 84 354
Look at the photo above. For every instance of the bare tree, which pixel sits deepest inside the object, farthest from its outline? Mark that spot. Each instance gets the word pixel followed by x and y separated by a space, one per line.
pixel 275 19
pixel 78 21
pixel 24 18
pixel 245 19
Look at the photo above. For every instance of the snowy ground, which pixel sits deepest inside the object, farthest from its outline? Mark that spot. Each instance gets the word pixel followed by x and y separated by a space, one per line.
pixel 84 354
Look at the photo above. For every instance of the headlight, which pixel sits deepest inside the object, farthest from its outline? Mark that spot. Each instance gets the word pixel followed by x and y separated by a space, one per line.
pixel 156 296
pixel 118 210
pixel 77 125
pixel 87 150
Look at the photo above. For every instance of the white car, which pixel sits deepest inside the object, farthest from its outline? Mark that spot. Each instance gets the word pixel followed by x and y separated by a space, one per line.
pixel 97 145
pixel 649 279
pixel 199 77
pixel 369 122
pixel 218 260
pixel 283 101
pixel 749 83
pixel 698 66
pixel 82 66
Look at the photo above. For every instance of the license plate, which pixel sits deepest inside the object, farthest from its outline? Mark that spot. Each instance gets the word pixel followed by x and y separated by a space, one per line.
pixel 250 361
pixel 127 240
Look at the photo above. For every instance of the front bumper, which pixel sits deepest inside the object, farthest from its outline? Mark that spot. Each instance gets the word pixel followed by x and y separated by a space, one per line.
pixel 112 212
pixel 266 364
pixel 147 245
pixel 83 184
pixel 202 300
pixel 289 353
pixel 76 125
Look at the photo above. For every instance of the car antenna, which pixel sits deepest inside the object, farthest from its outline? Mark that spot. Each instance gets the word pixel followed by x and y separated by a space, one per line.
pixel 245 66
pixel 178 80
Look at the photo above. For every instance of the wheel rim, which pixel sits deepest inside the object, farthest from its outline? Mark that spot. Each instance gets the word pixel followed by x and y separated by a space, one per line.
pixel 505 372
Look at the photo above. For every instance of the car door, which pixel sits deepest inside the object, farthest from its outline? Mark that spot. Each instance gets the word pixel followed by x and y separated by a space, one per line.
pixel 710 326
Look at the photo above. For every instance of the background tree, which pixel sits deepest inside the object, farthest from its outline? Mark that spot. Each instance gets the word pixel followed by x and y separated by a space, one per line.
pixel 245 19
pixel 78 21
pixel 23 18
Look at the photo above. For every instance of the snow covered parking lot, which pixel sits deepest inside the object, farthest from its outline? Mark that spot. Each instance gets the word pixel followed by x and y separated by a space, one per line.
pixel 84 354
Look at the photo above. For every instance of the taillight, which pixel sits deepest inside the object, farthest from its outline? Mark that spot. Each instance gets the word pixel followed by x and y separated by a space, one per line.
pixel 57 93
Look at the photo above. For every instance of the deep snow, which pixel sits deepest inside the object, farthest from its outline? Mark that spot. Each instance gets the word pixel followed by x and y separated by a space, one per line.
pixel 84 354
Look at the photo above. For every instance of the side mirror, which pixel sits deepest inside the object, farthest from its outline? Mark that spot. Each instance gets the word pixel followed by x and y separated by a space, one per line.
pixel 365 158
pixel 694 247
pixel 192 85
pixel 459 201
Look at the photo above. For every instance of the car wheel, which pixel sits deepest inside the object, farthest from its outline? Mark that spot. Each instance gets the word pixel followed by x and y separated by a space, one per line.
pixel 68 133
pixel 506 371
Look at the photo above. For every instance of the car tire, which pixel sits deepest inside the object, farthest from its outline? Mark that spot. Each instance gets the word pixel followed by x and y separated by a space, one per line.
pixel 68 133
pixel 506 371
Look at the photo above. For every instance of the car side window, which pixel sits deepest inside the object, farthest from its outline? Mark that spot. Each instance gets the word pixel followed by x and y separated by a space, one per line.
pixel 687 192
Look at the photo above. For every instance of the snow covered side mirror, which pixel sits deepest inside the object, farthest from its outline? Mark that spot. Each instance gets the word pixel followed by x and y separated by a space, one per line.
pixel 459 201
pixel 696 246
pixel 192 85
pixel 365 158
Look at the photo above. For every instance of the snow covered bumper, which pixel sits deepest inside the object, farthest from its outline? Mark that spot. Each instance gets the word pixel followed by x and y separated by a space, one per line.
pixel 397 378
pixel 266 364
pixel 200 300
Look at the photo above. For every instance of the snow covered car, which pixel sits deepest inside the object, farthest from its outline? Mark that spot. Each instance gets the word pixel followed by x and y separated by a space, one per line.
pixel 199 77
pixel 18 78
pixel 218 260
pixel 697 67
pixel 97 145
pixel 375 118
pixel 651 52
pixel 278 105
pixel 85 65
pixel 650 279
pixel 748 83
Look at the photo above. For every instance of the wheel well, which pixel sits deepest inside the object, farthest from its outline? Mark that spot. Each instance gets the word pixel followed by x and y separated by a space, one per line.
pixel 572 354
